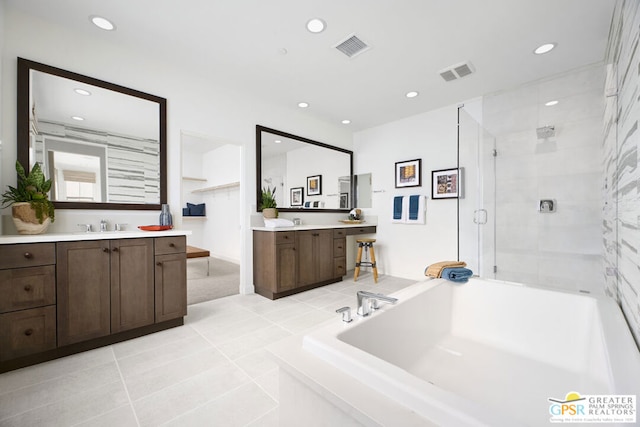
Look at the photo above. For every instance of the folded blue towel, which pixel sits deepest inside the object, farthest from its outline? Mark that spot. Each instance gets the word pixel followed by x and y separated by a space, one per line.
pixel 457 274
pixel 414 205
pixel 397 207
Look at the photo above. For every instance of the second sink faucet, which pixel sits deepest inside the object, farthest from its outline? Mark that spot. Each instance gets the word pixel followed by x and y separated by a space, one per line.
pixel 103 225
pixel 365 300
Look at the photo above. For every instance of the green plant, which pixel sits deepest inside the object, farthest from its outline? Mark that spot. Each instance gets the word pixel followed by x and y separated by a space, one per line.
pixel 268 198
pixel 31 188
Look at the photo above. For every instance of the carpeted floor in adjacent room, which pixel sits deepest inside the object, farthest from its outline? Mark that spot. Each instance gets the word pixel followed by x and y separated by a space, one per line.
pixel 223 279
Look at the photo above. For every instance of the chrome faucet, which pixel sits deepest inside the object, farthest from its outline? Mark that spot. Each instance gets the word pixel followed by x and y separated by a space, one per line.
pixel 368 301
pixel 103 225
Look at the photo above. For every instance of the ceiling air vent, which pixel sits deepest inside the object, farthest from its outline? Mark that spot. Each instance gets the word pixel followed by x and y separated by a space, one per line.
pixel 457 71
pixel 352 46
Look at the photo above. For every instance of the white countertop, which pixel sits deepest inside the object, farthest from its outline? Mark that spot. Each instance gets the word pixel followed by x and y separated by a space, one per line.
pixel 314 227
pixel 94 235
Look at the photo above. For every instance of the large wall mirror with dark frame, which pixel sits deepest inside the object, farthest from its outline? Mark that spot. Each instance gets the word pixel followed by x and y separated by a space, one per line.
pixel 102 145
pixel 309 176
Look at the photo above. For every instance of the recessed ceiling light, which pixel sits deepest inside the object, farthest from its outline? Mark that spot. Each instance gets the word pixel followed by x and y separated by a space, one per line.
pixel 551 103
pixel 346 122
pixel 412 94
pixel 316 25
pixel 82 92
pixel 547 47
pixel 277 141
pixel 78 118
pixel 103 23
pixel 303 105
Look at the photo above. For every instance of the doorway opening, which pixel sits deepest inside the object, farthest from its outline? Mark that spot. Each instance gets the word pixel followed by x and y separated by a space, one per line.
pixel 211 209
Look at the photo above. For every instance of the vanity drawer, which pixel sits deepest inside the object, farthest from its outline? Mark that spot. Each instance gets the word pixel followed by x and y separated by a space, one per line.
pixel 27 331
pixel 339 266
pixel 285 237
pixel 339 232
pixel 27 255
pixel 339 246
pixel 170 245
pixel 23 288
pixel 360 230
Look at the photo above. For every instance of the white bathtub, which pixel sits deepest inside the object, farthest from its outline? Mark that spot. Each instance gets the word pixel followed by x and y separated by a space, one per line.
pixel 485 352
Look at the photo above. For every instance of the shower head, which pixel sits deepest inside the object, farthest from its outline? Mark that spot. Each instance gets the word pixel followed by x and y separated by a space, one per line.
pixel 546 132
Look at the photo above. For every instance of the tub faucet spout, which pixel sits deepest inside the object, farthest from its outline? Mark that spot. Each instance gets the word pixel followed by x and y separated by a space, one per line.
pixel 365 300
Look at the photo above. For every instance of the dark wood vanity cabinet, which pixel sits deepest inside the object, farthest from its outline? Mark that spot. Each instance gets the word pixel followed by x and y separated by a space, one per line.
pixel 104 287
pixel 27 299
pixel 287 262
pixel 315 256
pixel 83 290
pixel 170 278
pixel 274 262
pixel 61 298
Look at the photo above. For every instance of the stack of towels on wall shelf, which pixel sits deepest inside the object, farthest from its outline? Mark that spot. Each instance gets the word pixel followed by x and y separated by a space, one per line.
pixel 450 270
pixel 409 209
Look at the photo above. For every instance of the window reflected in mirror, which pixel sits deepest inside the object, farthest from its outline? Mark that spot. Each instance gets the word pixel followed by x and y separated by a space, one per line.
pixel 102 145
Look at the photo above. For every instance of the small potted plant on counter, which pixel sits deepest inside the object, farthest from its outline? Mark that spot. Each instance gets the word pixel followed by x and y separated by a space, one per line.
pixel 31 208
pixel 269 204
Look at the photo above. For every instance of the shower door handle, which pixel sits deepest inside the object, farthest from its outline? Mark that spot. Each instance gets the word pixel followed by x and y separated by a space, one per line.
pixel 480 216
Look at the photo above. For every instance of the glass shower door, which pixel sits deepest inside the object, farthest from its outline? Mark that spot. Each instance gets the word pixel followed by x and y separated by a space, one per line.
pixel 476 206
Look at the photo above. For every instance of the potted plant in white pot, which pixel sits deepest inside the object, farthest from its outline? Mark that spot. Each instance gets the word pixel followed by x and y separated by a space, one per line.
pixel 31 208
pixel 269 204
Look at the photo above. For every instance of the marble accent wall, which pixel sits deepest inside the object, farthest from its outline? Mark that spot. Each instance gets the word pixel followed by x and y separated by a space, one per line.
pixel 620 187
pixel 132 163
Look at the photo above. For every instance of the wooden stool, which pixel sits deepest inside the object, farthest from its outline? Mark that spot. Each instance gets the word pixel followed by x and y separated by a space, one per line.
pixel 366 244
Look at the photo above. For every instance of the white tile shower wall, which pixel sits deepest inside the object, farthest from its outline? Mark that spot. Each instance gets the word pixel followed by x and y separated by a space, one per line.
pixel 561 249
pixel 621 222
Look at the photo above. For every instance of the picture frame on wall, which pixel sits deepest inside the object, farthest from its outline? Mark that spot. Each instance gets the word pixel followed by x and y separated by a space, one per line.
pixel 445 184
pixel 409 173
pixel 296 196
pixel 344 200
pixel 314 185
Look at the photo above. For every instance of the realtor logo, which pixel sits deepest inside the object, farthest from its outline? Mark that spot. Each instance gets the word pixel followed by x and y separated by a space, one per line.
pixel 605 408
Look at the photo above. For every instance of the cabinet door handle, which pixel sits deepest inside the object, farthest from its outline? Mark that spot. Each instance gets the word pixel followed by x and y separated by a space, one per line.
pixel 105 249
pixel 28 332
pixel 27 288
pixel 172 245
pixel 315 234
pixel 115 249
pixel 28 255
pixel 339 247
pixel 159 264
pixel 286 237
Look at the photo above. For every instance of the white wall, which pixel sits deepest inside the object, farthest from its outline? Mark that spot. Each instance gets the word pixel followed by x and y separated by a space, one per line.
pixel 405 250
pixel 311 161
pixel 222 229
pixel 199 103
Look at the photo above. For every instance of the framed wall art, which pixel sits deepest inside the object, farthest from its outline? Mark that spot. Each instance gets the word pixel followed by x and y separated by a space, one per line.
pixel 409 173
pixel 314 185
pixel 344 200
pixel 297 196
pixel 445 184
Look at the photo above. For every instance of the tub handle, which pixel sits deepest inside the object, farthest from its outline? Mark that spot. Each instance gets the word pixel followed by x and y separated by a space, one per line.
pixel 346 314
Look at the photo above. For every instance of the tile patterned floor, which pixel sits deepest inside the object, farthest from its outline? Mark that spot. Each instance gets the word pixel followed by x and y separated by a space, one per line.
pixel 213 371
